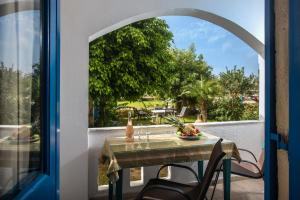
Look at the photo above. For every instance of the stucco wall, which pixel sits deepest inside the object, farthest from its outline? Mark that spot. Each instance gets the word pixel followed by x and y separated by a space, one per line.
pixel 282 88
pixel 81 19
pixel 282 63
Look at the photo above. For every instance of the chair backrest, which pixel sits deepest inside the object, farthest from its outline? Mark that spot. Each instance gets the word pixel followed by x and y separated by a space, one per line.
pixel 183 109
pixel 261 161
pixel 215 157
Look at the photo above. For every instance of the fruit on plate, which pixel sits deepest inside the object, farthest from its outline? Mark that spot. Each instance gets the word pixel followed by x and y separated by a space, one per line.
pixel 190 130
pixel 183 129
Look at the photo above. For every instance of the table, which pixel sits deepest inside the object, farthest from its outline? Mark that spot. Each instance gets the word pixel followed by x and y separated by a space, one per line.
pixel 158 113
pixel 162 149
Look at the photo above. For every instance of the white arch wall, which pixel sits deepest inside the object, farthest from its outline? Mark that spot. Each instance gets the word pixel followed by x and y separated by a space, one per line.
pixel 229 25
pixel 81 19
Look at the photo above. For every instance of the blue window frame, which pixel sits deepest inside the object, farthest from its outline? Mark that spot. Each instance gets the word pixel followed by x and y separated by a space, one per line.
pixel 30 43
pixel 270 172
pixel 294 99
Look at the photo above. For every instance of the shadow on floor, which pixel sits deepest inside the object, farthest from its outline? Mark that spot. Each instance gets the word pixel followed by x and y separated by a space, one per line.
pixel 241 189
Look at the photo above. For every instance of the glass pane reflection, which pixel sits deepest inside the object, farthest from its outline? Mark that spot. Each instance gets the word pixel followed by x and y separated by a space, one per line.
pixel 20 102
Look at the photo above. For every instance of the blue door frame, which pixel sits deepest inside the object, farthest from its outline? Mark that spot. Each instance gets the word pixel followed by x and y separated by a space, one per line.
pixel 272 140
pixel 294 99
pixel 270 172
pixel 46 185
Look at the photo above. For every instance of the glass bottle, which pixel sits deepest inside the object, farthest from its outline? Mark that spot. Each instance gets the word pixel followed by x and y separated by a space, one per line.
pixel 129 129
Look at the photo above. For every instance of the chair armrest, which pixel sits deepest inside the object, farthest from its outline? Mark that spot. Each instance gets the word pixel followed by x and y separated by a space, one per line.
pixel 259 171
pixel 164 187
pixel 245 150
pixel 243 161
pixel 179 166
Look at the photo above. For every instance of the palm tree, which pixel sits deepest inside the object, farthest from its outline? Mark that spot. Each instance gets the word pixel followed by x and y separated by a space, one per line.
pixel 203 91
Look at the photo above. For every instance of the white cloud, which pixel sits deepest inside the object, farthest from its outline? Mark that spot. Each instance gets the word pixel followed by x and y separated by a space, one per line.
pixel 201 30
pixel 216 37
pixel 225 46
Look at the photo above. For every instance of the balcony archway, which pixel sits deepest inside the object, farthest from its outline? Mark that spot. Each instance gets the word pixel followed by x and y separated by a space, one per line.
pixel 229 25
pixel 81 22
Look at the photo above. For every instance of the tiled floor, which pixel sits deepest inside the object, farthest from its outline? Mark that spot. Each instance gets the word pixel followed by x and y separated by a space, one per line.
pixel 241 189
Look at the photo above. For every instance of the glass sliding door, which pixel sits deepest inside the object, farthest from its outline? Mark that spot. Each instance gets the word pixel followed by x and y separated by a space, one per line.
pixel 24 97
pixel 20 100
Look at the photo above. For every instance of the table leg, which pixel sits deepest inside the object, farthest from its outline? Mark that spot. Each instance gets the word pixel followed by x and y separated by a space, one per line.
pixel 110 191
pixel 119 186
pixel 200 169
pixel 226 178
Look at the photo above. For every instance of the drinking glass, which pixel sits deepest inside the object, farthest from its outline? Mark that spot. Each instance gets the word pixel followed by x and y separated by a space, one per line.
pixel 140 131
pixel 147 132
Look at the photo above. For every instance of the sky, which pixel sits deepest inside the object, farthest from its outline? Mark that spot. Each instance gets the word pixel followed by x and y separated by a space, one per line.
pixel 20 31
pixel 219 47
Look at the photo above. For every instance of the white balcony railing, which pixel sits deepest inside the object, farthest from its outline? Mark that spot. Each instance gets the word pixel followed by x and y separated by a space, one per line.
pixel 246 134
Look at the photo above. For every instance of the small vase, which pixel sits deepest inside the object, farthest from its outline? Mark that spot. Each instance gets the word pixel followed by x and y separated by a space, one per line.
pixel 129 129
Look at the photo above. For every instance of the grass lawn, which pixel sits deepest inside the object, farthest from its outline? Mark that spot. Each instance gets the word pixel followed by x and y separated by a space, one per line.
pixel 122 120
pixel 149 121
pixel 142 104
pixel 189 119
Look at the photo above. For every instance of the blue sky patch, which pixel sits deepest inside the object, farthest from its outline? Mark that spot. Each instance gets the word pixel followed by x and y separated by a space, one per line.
pixel 220 48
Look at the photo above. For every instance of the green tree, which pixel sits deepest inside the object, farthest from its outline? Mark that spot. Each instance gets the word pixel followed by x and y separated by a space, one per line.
pixel 204 91
pixel 228 109
pixel 128 63
pixel 8 95
pixel 34 78
pixel 251 112
pixel 20 97
pixel 187 67
pixel 235 86
pixel 235 83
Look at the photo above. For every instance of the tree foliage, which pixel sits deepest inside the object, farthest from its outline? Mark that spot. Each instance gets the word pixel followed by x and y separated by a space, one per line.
pixel 8 96
pixel 139 59
pixel 235 83
pixel 187 67
pixel 20 101
pixel 228 109
pixel 235 86
pixel 204 91
pixel 129 62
